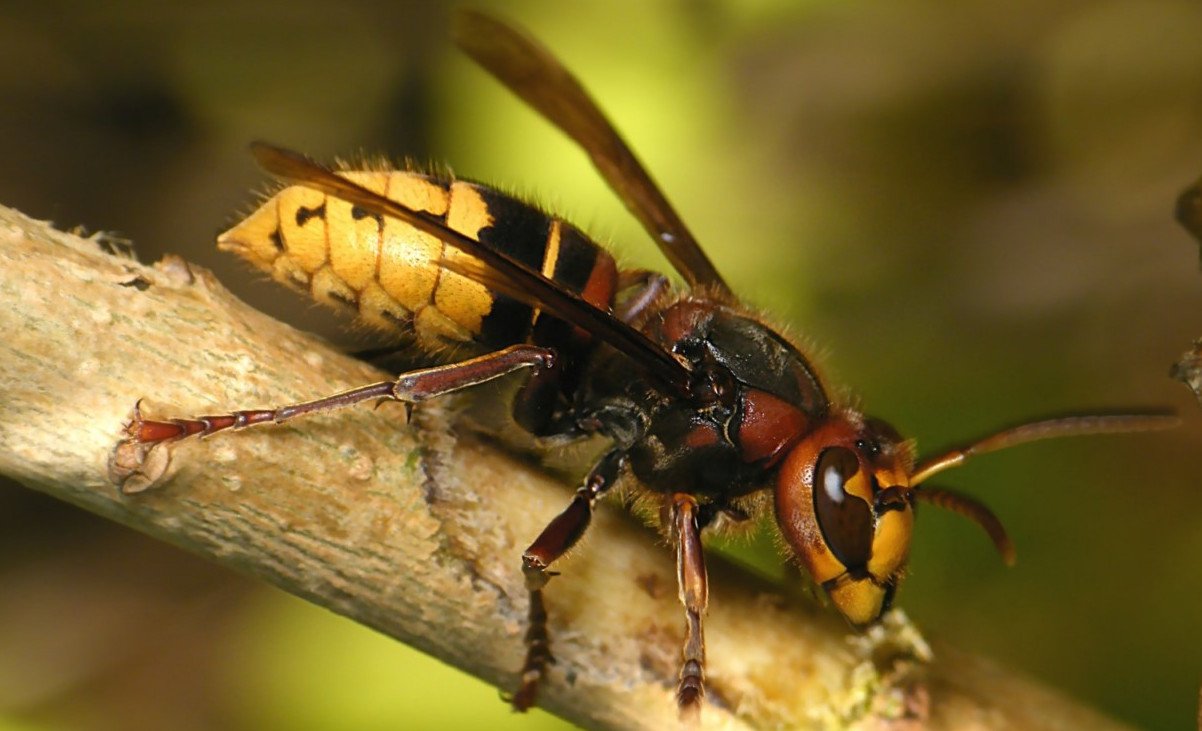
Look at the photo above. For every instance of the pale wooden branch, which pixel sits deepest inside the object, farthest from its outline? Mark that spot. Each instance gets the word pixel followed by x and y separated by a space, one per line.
pixel 409 530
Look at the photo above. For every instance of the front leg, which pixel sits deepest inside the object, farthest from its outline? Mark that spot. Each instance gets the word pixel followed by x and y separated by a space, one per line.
pixel 560 535
pixel 694 595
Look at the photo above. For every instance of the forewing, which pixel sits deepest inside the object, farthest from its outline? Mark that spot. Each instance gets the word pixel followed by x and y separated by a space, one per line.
pixel 531 72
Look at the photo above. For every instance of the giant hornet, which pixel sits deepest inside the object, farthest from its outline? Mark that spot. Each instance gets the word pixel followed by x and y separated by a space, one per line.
pixel 704 405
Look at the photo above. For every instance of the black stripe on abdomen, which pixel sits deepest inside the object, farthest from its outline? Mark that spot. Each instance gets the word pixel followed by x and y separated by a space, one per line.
pixel 577 256
pixel 519 231
pixel 522 232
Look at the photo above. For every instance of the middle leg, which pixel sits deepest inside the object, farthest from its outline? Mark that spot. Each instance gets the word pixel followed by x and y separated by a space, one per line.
pixel 560 535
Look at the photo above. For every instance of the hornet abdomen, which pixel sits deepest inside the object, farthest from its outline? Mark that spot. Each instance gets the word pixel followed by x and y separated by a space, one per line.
pixel 403 280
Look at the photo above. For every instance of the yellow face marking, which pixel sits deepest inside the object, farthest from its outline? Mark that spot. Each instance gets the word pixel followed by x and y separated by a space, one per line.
pixel 820 562
pixel 891 544
pixel 860 601
pixel 859 485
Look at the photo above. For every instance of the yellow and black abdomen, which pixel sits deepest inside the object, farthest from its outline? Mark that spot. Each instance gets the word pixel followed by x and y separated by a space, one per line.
pixel 398 278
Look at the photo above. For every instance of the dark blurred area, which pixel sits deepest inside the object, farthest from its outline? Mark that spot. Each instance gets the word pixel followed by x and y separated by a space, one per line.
pixel 966 208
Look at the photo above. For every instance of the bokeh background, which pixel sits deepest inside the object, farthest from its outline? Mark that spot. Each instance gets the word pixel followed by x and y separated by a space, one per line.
pixel 965 206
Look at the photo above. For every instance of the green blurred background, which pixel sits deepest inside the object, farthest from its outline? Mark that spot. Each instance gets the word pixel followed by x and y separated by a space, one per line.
pixel 965 206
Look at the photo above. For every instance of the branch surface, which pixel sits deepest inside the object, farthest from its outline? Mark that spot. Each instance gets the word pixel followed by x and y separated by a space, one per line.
pixel 410 530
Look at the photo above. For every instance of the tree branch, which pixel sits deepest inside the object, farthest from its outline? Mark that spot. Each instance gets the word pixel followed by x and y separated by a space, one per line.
pixel 409 530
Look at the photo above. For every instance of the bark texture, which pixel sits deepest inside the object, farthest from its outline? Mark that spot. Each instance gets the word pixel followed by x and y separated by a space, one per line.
pixel 410 530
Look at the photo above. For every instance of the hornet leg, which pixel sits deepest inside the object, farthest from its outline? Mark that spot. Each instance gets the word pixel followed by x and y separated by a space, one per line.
pixel 409 388
pixel 640 289
pixel 694 595
pixel 555 540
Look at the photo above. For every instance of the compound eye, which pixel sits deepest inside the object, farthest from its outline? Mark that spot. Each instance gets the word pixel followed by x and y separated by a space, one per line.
pixel 844 518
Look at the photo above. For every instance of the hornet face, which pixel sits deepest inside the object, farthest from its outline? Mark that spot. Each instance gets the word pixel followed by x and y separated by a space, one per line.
pixel 844 505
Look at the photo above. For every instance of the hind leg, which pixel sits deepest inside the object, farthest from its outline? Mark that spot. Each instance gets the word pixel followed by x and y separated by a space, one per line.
pixel 409 388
